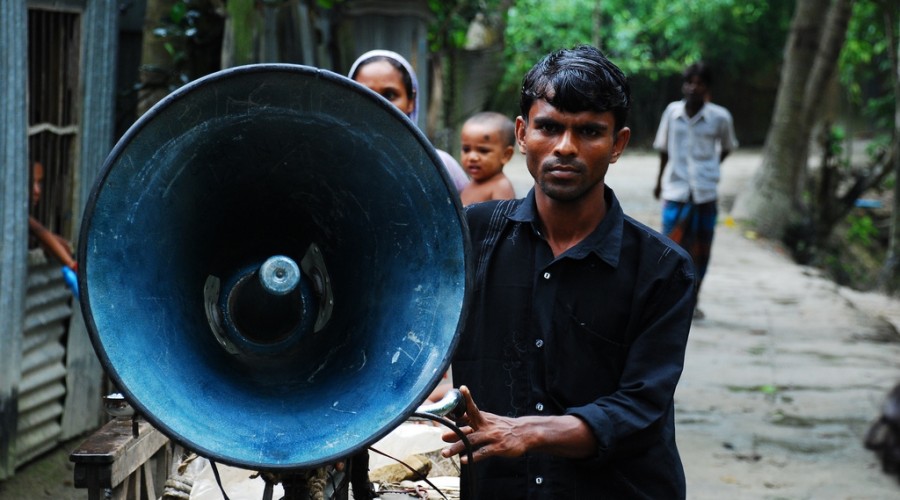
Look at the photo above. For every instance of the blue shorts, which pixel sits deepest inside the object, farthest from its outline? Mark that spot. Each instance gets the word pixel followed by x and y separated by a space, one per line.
pixel 691 226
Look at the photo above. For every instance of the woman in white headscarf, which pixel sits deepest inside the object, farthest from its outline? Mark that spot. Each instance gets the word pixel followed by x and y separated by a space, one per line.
pixel 390 75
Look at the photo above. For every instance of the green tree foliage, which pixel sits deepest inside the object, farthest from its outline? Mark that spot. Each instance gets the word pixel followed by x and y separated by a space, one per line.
pixel 865 66
pixel 190 33
pixel 869 82
pixel 651 38
pixel 448 31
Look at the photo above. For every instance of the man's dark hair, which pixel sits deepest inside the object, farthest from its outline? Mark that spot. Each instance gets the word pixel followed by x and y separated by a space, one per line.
pixel 575 80
pixel 698 69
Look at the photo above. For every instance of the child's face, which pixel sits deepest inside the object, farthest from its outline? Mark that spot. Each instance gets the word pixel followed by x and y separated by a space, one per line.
pixel 483 152
pixel 386 80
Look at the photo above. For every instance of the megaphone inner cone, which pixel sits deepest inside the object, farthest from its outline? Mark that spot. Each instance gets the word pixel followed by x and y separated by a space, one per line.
pixel 264 317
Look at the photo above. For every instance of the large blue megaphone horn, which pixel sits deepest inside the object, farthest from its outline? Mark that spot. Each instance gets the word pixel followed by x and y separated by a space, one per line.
pixel 274 267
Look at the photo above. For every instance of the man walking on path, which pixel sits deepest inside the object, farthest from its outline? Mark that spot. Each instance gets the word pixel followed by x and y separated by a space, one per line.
pixel 693 139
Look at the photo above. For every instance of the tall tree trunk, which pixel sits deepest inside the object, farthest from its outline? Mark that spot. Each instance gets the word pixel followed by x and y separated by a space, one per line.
pixel 891 271
pixel 815 40
pixel 832 38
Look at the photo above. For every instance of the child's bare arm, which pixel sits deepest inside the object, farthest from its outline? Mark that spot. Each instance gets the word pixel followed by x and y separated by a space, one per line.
pixel 503 189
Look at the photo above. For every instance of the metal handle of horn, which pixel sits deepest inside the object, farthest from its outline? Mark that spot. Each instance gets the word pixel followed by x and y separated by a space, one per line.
pixel 452 402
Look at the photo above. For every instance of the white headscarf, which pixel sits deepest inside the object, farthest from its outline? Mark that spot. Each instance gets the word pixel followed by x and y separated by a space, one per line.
pixel 387 54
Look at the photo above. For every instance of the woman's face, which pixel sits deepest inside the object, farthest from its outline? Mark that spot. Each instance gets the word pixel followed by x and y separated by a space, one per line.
pixel 386 80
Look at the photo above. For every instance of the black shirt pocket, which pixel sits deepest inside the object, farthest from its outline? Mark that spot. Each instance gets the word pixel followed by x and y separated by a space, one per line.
pixel 583 363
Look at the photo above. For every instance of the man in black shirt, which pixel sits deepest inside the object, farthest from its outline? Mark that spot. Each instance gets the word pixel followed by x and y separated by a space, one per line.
pixel 580 315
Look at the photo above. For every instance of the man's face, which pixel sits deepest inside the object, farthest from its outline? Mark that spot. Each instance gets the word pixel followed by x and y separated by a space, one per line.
pixel 694 89
pixel 568 154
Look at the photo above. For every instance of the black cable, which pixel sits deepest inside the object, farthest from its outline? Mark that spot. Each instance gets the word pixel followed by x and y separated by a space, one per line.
pixel 462 437
pixel 218 479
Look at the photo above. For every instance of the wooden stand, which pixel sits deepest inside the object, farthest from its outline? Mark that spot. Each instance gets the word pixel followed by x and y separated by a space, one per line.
pixel 129 458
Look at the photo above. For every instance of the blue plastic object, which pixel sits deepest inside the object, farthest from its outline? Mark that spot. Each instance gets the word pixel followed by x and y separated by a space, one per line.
pixel 867 203
pixel 235 168
pixel 71 279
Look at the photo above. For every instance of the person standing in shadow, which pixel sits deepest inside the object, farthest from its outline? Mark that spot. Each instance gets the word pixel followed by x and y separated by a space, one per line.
pixel 56 245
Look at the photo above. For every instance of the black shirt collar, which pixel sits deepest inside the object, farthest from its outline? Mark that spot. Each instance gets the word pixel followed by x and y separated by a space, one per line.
pixel 606 239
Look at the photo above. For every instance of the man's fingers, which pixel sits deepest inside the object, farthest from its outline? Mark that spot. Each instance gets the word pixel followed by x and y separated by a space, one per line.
pixel 454 449
pixel 456 446
pixel 472 412
pixel 459 449
pixel 474 419
pixel 452 437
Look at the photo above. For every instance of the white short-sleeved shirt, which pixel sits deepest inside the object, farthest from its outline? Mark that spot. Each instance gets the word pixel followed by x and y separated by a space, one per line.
pixel 694 145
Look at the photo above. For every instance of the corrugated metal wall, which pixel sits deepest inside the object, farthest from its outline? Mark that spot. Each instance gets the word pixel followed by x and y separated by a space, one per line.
pixel 42 388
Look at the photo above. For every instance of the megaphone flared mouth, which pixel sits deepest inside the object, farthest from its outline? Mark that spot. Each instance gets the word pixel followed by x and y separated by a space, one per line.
pixel 219 177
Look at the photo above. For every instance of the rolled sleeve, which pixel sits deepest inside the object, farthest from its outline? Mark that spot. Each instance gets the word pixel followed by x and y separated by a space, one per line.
pixel 633 417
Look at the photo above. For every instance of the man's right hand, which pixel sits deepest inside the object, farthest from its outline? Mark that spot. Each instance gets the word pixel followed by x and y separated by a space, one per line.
pixel 489 434
pixel 494 436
